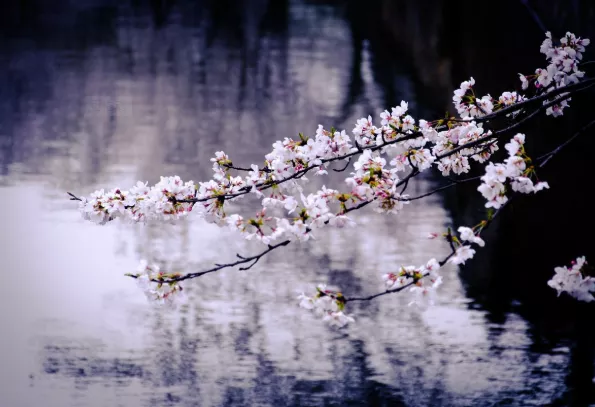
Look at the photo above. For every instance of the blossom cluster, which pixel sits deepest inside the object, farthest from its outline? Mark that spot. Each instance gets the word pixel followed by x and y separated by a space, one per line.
pixel 455 139
pixel 388 155
pixel 514 172
pixel 562 70
pixel 574 281
pixel 373 181
pixel 468 105
pixel 328 304
pixel 140 203
pixel 463 252
pixel 157 285
pixel 423 289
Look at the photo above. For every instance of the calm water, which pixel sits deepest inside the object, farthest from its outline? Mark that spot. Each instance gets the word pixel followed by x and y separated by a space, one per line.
pixel 94 97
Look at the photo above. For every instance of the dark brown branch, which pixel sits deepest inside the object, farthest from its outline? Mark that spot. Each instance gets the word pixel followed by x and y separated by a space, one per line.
pixel 344 168
pixel 442 188
pixel 548 156
pixel 243 260
pixel 233 167
pixel 396 290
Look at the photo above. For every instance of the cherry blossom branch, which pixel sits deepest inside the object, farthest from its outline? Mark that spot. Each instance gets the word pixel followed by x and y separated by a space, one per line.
pixel 569 90
pixel 485 223
pixel 530 101
pixel 450 239
pixel 255 258
pixel 243 260
pixel 264 186
pixel 506 130
pixel 450 144
pixel 298 174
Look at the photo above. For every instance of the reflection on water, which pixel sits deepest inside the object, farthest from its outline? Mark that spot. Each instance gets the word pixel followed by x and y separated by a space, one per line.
pixel 102 96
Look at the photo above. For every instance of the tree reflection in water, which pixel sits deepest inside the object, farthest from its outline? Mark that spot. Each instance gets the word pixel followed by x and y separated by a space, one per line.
pixel 105 93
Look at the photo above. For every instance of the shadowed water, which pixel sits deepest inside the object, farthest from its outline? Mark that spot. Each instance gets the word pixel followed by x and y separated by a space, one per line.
pixel 100 96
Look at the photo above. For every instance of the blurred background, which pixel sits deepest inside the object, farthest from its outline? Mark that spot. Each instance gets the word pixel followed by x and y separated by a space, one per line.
pixel 101 93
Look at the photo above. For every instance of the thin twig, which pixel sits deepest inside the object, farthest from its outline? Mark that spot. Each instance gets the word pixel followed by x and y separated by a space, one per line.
pixel 442 188
pixel 233 167
pixel 243 260
pixel 344 168
pixel 74 197
pixel 548 156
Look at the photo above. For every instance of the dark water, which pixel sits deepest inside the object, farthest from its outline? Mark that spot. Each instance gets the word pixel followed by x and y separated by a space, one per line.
pixel 99 94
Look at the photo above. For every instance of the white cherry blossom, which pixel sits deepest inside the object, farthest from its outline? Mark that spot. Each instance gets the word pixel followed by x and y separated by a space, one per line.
pixel 462 254
pixel 573 281
pixel 292 210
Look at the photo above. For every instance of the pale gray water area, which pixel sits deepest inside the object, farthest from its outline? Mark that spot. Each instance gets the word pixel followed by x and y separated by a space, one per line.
pixel 100 97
